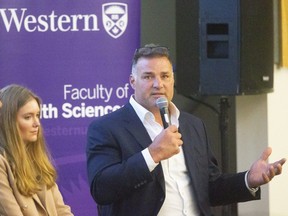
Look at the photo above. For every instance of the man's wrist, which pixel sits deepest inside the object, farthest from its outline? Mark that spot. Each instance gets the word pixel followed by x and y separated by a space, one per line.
pixel 149 160
pixel 251 189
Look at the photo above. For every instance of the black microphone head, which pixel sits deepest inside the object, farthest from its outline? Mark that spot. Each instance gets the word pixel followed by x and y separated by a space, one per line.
pixel 162 102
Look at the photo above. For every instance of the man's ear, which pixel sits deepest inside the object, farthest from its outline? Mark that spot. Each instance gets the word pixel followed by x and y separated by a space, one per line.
pixel 132 81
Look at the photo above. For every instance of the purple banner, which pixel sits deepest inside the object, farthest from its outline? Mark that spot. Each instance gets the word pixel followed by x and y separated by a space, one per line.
pixel 76 55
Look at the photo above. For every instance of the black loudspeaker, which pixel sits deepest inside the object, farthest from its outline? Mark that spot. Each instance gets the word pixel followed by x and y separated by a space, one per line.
pixel 224 47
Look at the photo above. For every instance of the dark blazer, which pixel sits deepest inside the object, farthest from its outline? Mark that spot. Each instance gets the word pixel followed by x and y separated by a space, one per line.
pixel 119 178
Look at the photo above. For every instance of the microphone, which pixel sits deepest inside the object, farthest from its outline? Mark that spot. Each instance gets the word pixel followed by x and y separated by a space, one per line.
pixel 162 104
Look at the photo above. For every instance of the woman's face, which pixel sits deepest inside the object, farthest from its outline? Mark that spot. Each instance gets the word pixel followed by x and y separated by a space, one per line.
pixel 28 120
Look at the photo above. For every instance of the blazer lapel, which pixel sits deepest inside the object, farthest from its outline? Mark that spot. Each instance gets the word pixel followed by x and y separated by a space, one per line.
pixel 160 176
pixel 40 198
pixel 189 149
pixel 38 201
pixel 137 129
pixel 135 126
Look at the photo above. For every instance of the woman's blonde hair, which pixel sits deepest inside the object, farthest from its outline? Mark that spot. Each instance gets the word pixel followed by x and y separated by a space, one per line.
pixel 32 165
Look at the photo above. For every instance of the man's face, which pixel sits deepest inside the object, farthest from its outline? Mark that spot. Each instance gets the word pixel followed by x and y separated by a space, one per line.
pixel 153 79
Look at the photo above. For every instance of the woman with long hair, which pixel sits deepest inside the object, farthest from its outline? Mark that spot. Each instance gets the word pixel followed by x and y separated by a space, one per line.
pixel 27 175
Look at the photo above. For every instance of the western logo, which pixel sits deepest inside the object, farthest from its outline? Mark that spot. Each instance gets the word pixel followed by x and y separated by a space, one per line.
pixel 115 18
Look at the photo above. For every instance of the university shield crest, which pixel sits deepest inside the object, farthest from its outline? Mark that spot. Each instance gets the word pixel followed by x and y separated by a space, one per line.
pixel 115 18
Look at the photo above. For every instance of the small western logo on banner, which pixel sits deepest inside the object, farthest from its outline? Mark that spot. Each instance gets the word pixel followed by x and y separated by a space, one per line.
pixel 115 18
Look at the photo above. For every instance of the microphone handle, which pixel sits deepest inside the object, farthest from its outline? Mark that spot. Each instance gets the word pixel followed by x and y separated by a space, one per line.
pixel 165 117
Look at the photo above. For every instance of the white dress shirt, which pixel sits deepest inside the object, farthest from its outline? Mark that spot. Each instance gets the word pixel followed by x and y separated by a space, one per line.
pixel 179 199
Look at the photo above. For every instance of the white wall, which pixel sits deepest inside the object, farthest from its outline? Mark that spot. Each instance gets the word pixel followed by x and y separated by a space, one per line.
pixel 278 140
pixel 252 139
pixel 262 120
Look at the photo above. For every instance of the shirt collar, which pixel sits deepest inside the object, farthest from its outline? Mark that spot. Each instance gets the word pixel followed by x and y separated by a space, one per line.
pixel 143 112
pixel 140 110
